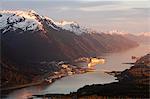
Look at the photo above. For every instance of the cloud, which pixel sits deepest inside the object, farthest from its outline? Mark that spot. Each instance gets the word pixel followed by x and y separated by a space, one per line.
pixel 127 15
pixel 142 9
pixel 104 8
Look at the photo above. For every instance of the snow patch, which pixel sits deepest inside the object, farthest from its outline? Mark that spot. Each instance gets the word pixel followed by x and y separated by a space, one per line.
pixel 72 26
pixel 116 32
pixel 30 20
pixel 144 34
pixel 25 20
pixel 51 22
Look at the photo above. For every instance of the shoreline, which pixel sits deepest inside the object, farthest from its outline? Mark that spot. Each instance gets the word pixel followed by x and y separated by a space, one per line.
pixel 49 80
pixel 38 83
pixel 141 93
pixel 132 84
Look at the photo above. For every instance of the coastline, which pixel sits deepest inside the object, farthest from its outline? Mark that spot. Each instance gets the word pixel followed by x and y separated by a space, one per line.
pixel 66 94
pixel 131 85
pixel 49 78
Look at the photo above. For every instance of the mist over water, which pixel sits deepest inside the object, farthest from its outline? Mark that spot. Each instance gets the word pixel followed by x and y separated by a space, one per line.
pixel 114 60
pixel 72 83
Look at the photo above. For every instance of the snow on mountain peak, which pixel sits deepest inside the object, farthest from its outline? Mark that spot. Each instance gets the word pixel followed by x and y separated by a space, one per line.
pixel 116 32
pixel 48 18
pixel 63 22
pixel 30 20
pixel 72 26
pixel 68 25
pixel 144 34
pixel 25 20
pixel 26 14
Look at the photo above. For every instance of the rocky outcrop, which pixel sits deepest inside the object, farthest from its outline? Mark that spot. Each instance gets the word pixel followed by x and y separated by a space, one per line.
pixel 133 83
pixel 139 73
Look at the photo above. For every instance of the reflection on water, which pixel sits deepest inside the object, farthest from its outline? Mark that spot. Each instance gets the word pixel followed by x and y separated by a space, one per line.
pixel 72 83
pixel 25 93
pixel 114 60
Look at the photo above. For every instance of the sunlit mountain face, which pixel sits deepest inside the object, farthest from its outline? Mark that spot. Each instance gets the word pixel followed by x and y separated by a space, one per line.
pixel 74 49
pixel 42 31
pixel 30 20
pixel 29 39
pixel 38 48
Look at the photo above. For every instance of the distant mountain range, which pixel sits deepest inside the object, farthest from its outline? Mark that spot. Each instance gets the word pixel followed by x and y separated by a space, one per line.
pixel 143 37
pixel 28 38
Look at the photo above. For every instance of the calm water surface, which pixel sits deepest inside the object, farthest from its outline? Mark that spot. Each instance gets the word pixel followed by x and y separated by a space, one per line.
pixel 72 83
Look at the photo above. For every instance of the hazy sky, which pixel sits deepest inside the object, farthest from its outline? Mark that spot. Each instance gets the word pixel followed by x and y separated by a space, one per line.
pixel 131 16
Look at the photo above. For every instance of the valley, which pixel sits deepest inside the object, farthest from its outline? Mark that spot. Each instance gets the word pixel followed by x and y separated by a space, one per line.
pixel 29 39
pixel 42 57
pixel 71 83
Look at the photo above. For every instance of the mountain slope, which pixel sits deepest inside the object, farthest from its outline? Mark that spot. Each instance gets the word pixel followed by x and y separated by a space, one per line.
pixel 33 37
pixel 140 37
pixel 27 39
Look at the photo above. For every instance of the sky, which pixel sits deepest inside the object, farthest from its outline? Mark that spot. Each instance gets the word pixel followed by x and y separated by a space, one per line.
pixel 132 16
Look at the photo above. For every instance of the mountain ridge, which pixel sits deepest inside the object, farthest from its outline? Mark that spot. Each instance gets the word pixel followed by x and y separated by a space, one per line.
pixel 48 31
pixel 25 47
pixel 30 20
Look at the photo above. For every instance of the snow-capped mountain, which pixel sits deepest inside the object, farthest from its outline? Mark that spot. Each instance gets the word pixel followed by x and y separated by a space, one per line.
pixel 31 21
pixel 73 27
pixel 143 37
pixel 27 39
pixel 24 20
pixel 116 32
pixel 56 40
pixel 30 42
pixel 146 34
pixel 139 37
